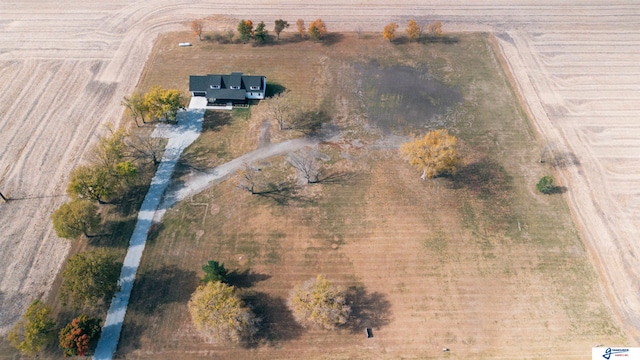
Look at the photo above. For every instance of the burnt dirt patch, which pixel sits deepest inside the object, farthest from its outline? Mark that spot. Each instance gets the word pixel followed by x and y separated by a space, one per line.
pixel 402 99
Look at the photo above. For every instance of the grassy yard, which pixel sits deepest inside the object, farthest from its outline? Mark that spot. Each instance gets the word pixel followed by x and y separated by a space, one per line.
pixel 479 263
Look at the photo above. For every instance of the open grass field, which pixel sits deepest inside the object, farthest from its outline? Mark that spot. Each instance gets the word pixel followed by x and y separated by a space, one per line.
pixel 64 70
pixel 480 263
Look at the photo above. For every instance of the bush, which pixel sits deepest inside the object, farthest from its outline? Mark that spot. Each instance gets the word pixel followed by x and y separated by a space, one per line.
pixel 319 303
pixel 79 335
pixel 32 333
pixel 545 185
pixel 220 315
pixel 90 277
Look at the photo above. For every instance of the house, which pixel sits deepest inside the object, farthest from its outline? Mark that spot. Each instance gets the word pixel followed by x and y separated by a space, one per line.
pixel 225 90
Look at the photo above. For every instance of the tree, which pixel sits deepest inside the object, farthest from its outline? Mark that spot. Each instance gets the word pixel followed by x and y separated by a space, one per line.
pixel 230 35
pixel 92 182
pixel 214 271
pixel 245 30
pixel 146 147
pixel 434 154
pixel 280 108
pixel 301 28
pixel 318 302
pixel 389 32
pixel 197 26
pixel 545 185
pixel 90 277
pixel 435 28
pixel 413 30
pixel 261 34
pixel 136 107
pixel 111 149
pixel 163 104
pixel 34 330
pixel 307 165
pixel 280 25
pixel 220 315
pixel 79 335
pixel 3 197
pixel 317 29
pixel 249 178
pixel 75 218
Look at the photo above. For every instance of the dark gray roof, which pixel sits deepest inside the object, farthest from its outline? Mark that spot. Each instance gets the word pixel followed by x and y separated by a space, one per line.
pixel 252 81
pixel 235 80
pixel 226 94
pixel 198 83
pixel 208 84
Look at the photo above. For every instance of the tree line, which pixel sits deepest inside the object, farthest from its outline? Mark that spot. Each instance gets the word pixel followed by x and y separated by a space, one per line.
pixel 118 164
pixel 246 31
pixel 413 30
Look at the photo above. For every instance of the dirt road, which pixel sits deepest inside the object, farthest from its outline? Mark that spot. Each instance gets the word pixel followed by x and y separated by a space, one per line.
pixel 64 69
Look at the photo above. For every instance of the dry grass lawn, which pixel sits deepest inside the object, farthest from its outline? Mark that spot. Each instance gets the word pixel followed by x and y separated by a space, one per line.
pixel 479 263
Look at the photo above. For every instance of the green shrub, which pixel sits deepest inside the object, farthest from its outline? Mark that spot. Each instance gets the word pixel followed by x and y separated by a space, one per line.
pixel 545 185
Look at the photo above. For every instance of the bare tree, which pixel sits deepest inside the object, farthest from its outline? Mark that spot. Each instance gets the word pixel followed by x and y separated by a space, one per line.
pixel 146 147
pixel 249 178
pixel 3 197
pixel 280 108
pixel 307 164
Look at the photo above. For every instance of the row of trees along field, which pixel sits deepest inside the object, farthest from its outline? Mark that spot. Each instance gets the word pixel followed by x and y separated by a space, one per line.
pixel 246 31
pixel 220 315
pixel 413 30
pixel 119 168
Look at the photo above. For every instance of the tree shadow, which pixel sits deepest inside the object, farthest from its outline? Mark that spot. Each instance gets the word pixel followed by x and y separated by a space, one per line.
pixel 368 310
pixel 277 325
pixel 311 122
pixel 339 177
pixel 274 89
pixel 564 160
pixel 131 201
pixel 557 190
pixel 215 120
pixel 401 40
pixel 132 332
pixel 331 38
pixel 484 178
pixel 115 234
pixel 196 158
pixel 158 287
pixel 446 39
pixel 285 195
pixel 245 278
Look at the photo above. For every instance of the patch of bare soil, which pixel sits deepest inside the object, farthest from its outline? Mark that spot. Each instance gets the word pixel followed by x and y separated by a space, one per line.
pixel 404 98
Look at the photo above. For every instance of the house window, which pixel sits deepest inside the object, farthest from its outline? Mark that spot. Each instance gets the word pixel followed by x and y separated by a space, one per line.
pixel 215 87
pixel 255 88
pixel 234 87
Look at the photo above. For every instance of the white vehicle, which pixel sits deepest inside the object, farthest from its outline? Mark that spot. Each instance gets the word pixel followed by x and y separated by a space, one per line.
pixel 183 44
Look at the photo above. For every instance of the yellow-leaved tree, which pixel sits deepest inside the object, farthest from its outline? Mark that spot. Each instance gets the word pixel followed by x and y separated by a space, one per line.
pixel 389 31
pixel 317 29
pixel 434 154
pixel 413 30
pixel 220 315
pixel 320 303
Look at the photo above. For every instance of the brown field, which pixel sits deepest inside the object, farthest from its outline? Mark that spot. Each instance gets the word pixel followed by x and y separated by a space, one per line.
pixel 480 264
pixel 64 70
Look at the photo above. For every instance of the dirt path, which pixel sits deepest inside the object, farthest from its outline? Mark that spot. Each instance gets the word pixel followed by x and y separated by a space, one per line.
pixel 63 71
pixel 196 183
